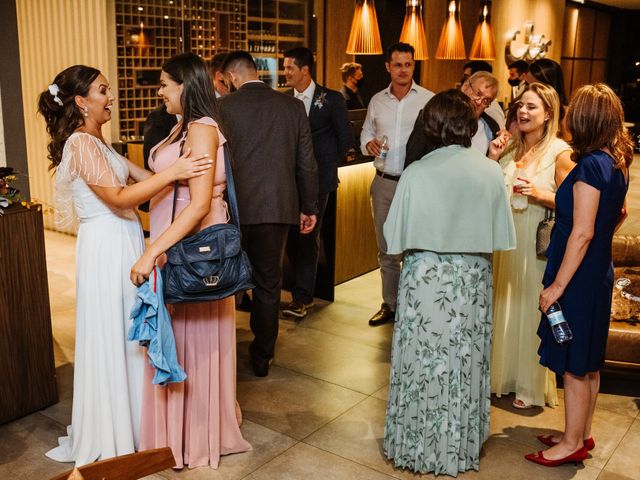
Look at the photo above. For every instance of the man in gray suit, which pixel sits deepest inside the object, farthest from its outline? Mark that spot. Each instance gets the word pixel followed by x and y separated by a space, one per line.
pixel 276 181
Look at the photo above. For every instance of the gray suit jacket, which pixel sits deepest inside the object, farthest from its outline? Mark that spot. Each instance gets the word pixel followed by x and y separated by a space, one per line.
pixel 274 169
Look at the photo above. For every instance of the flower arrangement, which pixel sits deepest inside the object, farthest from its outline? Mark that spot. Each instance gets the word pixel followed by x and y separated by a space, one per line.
pixel 321 100
pixel 10 195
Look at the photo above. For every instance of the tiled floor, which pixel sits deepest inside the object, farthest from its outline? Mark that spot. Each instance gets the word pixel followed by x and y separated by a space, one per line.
pixel 319 413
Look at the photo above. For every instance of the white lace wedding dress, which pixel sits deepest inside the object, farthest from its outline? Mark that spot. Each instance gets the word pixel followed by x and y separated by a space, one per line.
pixel 108 369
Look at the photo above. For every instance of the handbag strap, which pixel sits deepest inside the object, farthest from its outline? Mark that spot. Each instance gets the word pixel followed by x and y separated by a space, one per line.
pixel 549 214
pixel 231 190
pixel 177 183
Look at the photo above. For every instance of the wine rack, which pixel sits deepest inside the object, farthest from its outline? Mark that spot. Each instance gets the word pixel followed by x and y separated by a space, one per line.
pixel 274 26
pixel 149 32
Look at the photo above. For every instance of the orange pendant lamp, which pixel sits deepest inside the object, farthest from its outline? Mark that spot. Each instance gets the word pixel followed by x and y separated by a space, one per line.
pixel 483 46
pixel 413 30
pixel 364 38
pixel 451 44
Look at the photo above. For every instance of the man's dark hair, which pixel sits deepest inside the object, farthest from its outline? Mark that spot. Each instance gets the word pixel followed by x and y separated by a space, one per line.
pixel 478 66
pixel 400 47
pixel 449 119
pixel 217 61
pixel 302 57
pixel 520 65
pixel 239 57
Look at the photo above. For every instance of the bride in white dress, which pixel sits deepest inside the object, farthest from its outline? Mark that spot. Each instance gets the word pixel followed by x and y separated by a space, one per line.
pixel 90 188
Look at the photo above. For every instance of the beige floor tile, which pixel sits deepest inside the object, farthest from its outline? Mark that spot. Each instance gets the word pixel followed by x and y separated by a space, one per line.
pixel 350 322
pixel 357 435
pixel 61 411
pixel 382 394
pixel 23 444
pixel 503 459
pixel 309 463
pixel 607 475
pixel 623 405
pixel 290 403
pixel 333 359
pixel 523 426
pixel 266 444
pixel 625 461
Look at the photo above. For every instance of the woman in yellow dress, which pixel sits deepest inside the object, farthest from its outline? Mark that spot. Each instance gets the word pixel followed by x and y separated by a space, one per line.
pixel 544 162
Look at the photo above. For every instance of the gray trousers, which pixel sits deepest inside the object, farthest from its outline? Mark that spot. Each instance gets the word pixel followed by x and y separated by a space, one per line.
pixel 382 191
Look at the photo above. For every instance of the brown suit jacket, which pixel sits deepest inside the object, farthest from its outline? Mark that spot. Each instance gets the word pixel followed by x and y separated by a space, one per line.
pixel 274 169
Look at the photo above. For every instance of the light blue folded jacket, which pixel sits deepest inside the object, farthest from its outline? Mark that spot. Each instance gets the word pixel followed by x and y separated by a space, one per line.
pixel 152 328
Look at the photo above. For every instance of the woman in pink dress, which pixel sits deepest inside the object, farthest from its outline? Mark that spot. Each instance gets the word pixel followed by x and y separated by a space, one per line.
pixel 197 419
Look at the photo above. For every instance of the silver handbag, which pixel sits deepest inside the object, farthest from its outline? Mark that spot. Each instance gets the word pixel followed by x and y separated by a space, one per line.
pixel 543 232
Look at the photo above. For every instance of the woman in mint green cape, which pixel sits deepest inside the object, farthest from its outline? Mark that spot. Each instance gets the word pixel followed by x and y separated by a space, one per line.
pixel 449 213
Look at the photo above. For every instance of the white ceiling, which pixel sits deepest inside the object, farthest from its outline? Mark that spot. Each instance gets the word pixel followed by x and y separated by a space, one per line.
pixel 631 4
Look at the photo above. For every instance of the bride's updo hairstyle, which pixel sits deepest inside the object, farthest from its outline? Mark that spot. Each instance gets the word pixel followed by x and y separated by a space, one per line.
pixel 58 107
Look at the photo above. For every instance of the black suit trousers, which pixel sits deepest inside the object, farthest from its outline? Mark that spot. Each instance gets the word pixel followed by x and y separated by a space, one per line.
pixel 303 251
pixel 265 244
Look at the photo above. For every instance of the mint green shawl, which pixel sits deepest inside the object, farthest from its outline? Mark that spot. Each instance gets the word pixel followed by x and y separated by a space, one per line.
pixel 453 200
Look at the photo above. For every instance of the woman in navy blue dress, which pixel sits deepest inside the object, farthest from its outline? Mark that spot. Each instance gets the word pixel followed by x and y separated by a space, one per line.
pixel 579 273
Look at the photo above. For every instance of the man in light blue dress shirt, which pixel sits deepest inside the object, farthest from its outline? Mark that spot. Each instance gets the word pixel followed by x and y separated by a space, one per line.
pixel 391 113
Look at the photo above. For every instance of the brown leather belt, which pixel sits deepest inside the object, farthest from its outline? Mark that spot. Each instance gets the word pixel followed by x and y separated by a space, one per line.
pixel 395 178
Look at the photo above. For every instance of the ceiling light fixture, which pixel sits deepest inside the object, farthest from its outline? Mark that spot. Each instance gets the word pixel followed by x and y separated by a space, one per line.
pixel 413 30
pixel 364 38
pixel 483 46
pixel 451 44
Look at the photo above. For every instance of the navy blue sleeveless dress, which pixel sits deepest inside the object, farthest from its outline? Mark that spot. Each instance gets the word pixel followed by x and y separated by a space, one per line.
pixel 586 302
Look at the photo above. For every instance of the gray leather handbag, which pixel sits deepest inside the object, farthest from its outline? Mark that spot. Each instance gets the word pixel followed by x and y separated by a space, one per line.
pixel 543 232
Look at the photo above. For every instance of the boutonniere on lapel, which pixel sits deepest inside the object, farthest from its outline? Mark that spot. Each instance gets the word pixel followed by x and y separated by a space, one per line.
pixel 321 100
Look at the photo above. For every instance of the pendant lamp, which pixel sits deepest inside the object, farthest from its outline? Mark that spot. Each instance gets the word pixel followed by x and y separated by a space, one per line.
pixel 451 44
pixel 483 46
pixel 364 38
pixel 413 30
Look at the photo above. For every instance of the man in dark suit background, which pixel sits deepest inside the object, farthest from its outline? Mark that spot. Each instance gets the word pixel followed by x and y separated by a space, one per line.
pixel 332 136
pixel 276 181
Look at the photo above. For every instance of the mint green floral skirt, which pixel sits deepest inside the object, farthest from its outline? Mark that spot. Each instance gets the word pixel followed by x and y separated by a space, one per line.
pixel 439 393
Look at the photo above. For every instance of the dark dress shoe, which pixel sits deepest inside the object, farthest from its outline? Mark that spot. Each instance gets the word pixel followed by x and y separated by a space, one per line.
pixel 382 316
pixel 261 366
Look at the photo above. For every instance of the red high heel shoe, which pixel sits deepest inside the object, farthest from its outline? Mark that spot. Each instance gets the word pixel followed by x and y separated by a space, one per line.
pixel 576 457
pixel 548 440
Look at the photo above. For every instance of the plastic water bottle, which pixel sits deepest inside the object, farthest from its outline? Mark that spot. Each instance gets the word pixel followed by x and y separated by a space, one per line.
pixel 382 158
pixel 559 326
pixel 519 202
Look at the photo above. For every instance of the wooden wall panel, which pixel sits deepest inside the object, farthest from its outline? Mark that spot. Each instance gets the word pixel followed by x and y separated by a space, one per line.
pixel 26 342
pixel 570 26
pixel 511 15
pixel 55 34
pixel 581 74
pixel 585 33
pixel 598 71
pixel 601 40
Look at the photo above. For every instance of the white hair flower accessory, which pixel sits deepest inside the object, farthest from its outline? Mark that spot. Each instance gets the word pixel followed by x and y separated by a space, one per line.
pixel 53 90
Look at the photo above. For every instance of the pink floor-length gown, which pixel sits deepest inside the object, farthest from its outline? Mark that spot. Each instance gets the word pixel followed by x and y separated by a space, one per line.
pixel 197 418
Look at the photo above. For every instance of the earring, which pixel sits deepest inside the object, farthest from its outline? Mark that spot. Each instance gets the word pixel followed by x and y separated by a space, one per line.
pixel 86 112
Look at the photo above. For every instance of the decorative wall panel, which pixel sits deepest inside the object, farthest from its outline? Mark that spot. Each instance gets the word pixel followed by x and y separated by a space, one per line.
pixel 53 35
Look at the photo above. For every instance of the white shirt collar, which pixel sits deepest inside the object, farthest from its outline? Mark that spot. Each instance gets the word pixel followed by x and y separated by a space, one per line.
pixel 413 88
pixel 307 92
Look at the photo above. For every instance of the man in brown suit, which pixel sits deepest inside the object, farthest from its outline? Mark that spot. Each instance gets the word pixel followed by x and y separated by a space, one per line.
pixel 276 180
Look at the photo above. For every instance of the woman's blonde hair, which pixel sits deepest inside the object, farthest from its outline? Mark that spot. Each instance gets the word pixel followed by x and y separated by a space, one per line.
pixel 551 104
pixel 596 120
